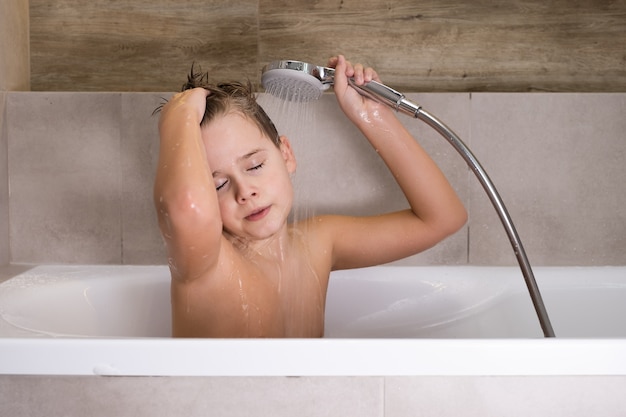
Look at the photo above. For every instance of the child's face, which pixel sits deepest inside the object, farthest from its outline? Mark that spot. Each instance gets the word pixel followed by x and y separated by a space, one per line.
pixel 251 176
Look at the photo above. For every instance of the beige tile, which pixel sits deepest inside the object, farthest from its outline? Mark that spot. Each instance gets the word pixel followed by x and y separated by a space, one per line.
pixel 558 162
pixel 141 239
pixel 198 396
pixel 505 396
pixel 64 170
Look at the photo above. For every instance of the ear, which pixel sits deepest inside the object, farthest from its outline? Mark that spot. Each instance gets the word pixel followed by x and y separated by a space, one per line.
pixel 288 155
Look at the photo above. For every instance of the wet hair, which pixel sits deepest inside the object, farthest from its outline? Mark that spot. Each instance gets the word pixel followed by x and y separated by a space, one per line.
pixel 231 97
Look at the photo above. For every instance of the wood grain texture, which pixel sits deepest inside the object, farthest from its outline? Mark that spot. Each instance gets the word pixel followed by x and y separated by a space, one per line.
pixel 139 45
pixel 426 45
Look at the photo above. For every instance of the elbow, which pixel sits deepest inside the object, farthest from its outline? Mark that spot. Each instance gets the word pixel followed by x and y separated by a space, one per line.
pixel 185 210
pixel 451 223
pixel 457 219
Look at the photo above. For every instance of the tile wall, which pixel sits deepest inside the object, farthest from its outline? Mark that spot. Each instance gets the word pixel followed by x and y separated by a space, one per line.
pixel 81 166
pixel 558 161
pixel 81 177
pixel 556 396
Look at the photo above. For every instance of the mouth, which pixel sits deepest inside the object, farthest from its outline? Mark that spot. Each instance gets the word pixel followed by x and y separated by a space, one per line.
pixel 258 214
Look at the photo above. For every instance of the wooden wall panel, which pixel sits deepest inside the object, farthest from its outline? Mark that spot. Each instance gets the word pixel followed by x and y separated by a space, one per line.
pixel 425 45
pixel 139 45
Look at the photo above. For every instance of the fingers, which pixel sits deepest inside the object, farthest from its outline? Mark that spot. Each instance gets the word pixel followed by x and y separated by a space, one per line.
pixel 198 91
pixel 371 74
pixel 189 101
pixel 358 72
pixel 185 96
pixel 364 75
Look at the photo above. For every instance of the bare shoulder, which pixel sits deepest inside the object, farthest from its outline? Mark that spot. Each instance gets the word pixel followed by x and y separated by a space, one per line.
pixel 318 231
pixel 319 234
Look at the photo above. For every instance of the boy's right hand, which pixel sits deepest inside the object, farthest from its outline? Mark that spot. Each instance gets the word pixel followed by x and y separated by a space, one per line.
pixel 189 104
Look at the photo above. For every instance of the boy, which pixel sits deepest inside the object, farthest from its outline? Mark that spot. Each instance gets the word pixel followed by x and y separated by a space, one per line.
pixel 223 194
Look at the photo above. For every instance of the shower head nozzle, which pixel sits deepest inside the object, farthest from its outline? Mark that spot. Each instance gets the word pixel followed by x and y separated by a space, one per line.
pixel 300 81
pixel 296 80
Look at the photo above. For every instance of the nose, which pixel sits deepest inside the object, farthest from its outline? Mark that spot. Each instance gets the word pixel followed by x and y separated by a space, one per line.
pixel 245 192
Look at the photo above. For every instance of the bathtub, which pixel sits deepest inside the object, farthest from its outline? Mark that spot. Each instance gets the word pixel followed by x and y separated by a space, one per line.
pixel 388 320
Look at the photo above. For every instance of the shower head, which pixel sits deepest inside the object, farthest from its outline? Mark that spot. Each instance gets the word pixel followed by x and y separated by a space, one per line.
pixel 301 81
pixel 296 80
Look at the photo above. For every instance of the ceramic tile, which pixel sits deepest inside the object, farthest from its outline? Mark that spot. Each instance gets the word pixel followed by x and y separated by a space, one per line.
pixel 156 397
pixel 557 161
pixel 556 171
pixel 510 396
pixel 64 170
pixel 141 239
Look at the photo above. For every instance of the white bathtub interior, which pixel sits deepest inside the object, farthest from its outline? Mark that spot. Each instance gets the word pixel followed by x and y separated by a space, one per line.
pixel 379 302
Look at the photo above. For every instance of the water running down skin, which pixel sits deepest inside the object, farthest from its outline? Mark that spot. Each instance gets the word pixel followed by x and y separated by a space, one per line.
pixel 223 194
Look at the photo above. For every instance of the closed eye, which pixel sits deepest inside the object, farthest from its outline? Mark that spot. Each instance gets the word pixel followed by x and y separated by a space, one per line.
pixel 221 185
pixel 256 167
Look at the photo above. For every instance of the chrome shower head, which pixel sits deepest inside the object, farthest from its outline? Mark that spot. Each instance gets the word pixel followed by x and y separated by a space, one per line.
pixel 296 80
pixel 301 81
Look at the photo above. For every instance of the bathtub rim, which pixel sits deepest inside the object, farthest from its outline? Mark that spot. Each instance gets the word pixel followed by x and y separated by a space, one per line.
pixel 331 357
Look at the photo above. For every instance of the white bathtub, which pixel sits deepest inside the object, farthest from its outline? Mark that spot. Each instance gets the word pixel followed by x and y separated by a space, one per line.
pixel 115 320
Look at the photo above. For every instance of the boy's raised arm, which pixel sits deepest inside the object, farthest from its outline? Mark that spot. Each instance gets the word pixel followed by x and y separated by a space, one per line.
pixel 436 211
pixel 184 192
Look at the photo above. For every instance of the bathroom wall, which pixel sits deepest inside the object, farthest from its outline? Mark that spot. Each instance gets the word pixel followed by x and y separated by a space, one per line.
pixel 81 170
pixel 558 162
pixel 81 167
pixel 425 45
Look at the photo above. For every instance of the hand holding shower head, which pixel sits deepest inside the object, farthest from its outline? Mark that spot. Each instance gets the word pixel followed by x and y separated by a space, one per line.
pixel 301 81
